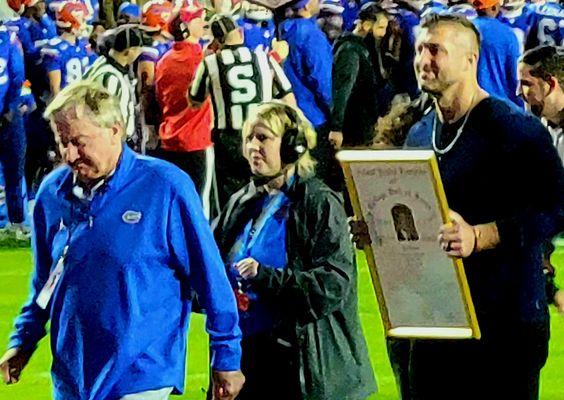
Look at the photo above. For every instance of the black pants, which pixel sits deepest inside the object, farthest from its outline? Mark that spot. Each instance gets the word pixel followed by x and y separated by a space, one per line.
pixel 270 368
pixel 231 168
pixel 199 165
pixel 40 140
pixel 505 366
pixel 399 353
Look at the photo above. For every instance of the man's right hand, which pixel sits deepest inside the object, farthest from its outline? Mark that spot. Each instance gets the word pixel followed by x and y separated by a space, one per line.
pixel 12 363
pixel 360 235
pixel 559 301
pixel 227 384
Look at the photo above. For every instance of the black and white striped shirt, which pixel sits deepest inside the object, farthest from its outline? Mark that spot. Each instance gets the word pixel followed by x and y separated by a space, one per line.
pixel 115 78
pixel 238 79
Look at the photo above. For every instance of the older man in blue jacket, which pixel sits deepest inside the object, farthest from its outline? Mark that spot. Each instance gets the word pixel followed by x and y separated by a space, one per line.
pixel 120 244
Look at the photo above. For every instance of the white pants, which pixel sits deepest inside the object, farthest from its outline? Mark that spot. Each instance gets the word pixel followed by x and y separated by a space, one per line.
pixel 159 394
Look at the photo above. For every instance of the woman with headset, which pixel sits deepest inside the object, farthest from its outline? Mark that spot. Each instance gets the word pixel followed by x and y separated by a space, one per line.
pixel 285 243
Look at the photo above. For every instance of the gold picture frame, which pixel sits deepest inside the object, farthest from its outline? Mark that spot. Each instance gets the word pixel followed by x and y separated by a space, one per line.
pixel 422 293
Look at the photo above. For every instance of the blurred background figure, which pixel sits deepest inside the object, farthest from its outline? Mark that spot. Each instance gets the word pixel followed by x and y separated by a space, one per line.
pixel 330 19
pixel 67 58
pixel 185 132
pixel 499 53
pixel 258 24
pixel 128 13
pixel 359 96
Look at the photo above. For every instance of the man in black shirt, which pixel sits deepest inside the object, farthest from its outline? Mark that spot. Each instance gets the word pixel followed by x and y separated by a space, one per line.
pixel 356 85
pixel 505 180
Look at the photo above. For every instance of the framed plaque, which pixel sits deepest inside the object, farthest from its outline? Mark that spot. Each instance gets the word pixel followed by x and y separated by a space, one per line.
pixel 421 291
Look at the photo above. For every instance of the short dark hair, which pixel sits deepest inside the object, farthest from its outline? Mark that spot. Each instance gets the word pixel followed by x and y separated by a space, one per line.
pixel 221 26
pixel 546 62
pixel 177 29
pixel 435 19
pixel 369 12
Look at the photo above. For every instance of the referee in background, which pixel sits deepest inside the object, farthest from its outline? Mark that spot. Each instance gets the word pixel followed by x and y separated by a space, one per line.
pixel 119 48
pixel 238 80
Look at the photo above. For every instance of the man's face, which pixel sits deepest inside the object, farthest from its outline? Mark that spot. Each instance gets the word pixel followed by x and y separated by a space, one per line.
pixel 90 150
pixel 314 6
pixel 39 9
pixel 198 27
pixel 439 58
pixel 262 150
pixel 533 89
pixel 133 53
pixel 379 26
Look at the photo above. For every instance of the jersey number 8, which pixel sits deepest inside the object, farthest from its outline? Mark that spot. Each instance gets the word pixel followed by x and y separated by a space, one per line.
pixel 74 70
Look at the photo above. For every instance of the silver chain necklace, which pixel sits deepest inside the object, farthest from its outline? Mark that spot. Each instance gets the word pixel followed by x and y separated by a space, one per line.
pixel 458 132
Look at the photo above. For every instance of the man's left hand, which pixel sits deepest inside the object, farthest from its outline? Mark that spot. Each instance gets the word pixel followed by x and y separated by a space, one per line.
pixel 227 384
pixel 457 238
pixel 247 267
pixel 559 301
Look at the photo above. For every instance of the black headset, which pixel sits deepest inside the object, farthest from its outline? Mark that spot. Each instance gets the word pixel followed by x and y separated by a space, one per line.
pixel 294 142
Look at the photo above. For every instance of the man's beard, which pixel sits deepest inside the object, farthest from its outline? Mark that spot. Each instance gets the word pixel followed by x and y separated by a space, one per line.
pixel 537 109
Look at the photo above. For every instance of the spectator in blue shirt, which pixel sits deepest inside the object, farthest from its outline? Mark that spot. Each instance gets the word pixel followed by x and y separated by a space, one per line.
pixel 309 68
pixel 116 266
pixel 499 53
pixel 309 62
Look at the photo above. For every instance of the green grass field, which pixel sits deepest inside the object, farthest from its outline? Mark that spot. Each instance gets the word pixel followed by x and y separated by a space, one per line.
pixel 15 269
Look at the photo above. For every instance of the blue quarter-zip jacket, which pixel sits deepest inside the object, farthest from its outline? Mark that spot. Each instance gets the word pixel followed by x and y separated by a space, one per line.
pixel 120 311
pixel 308 67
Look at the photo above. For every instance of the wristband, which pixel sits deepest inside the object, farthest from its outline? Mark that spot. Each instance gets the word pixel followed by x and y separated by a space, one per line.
pixel 274 54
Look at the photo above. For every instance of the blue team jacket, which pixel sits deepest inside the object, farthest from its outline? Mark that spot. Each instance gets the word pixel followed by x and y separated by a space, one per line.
pixel 308 67
pixel 120 312
pixel 499 54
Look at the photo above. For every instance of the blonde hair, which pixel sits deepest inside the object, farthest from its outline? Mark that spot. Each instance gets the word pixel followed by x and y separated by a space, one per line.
pixel 278 118
pixel 86 98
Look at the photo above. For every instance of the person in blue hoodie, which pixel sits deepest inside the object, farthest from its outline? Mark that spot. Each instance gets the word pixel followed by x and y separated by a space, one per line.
pixel 116 266
pixel 309 62
pixel 309 68
pixel 499 53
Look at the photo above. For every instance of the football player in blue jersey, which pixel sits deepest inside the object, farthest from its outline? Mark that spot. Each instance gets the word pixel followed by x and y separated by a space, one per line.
pixel 66 58
pixel 519 16
pixel 156 16
pixel 258 24
pixel 549 29
pixel 34 29
pixel 12 133
pixel 92 8
pixel 20 25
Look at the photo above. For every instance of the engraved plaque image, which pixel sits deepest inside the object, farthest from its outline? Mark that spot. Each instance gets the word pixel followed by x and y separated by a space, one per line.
pixel 422 293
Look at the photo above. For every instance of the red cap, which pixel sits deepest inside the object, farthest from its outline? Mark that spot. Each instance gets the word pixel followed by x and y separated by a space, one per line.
pixel 191 12
pixel 484 4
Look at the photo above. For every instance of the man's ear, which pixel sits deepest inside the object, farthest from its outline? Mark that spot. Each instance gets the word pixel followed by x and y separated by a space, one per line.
pixel 118 131
pixel 552 84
